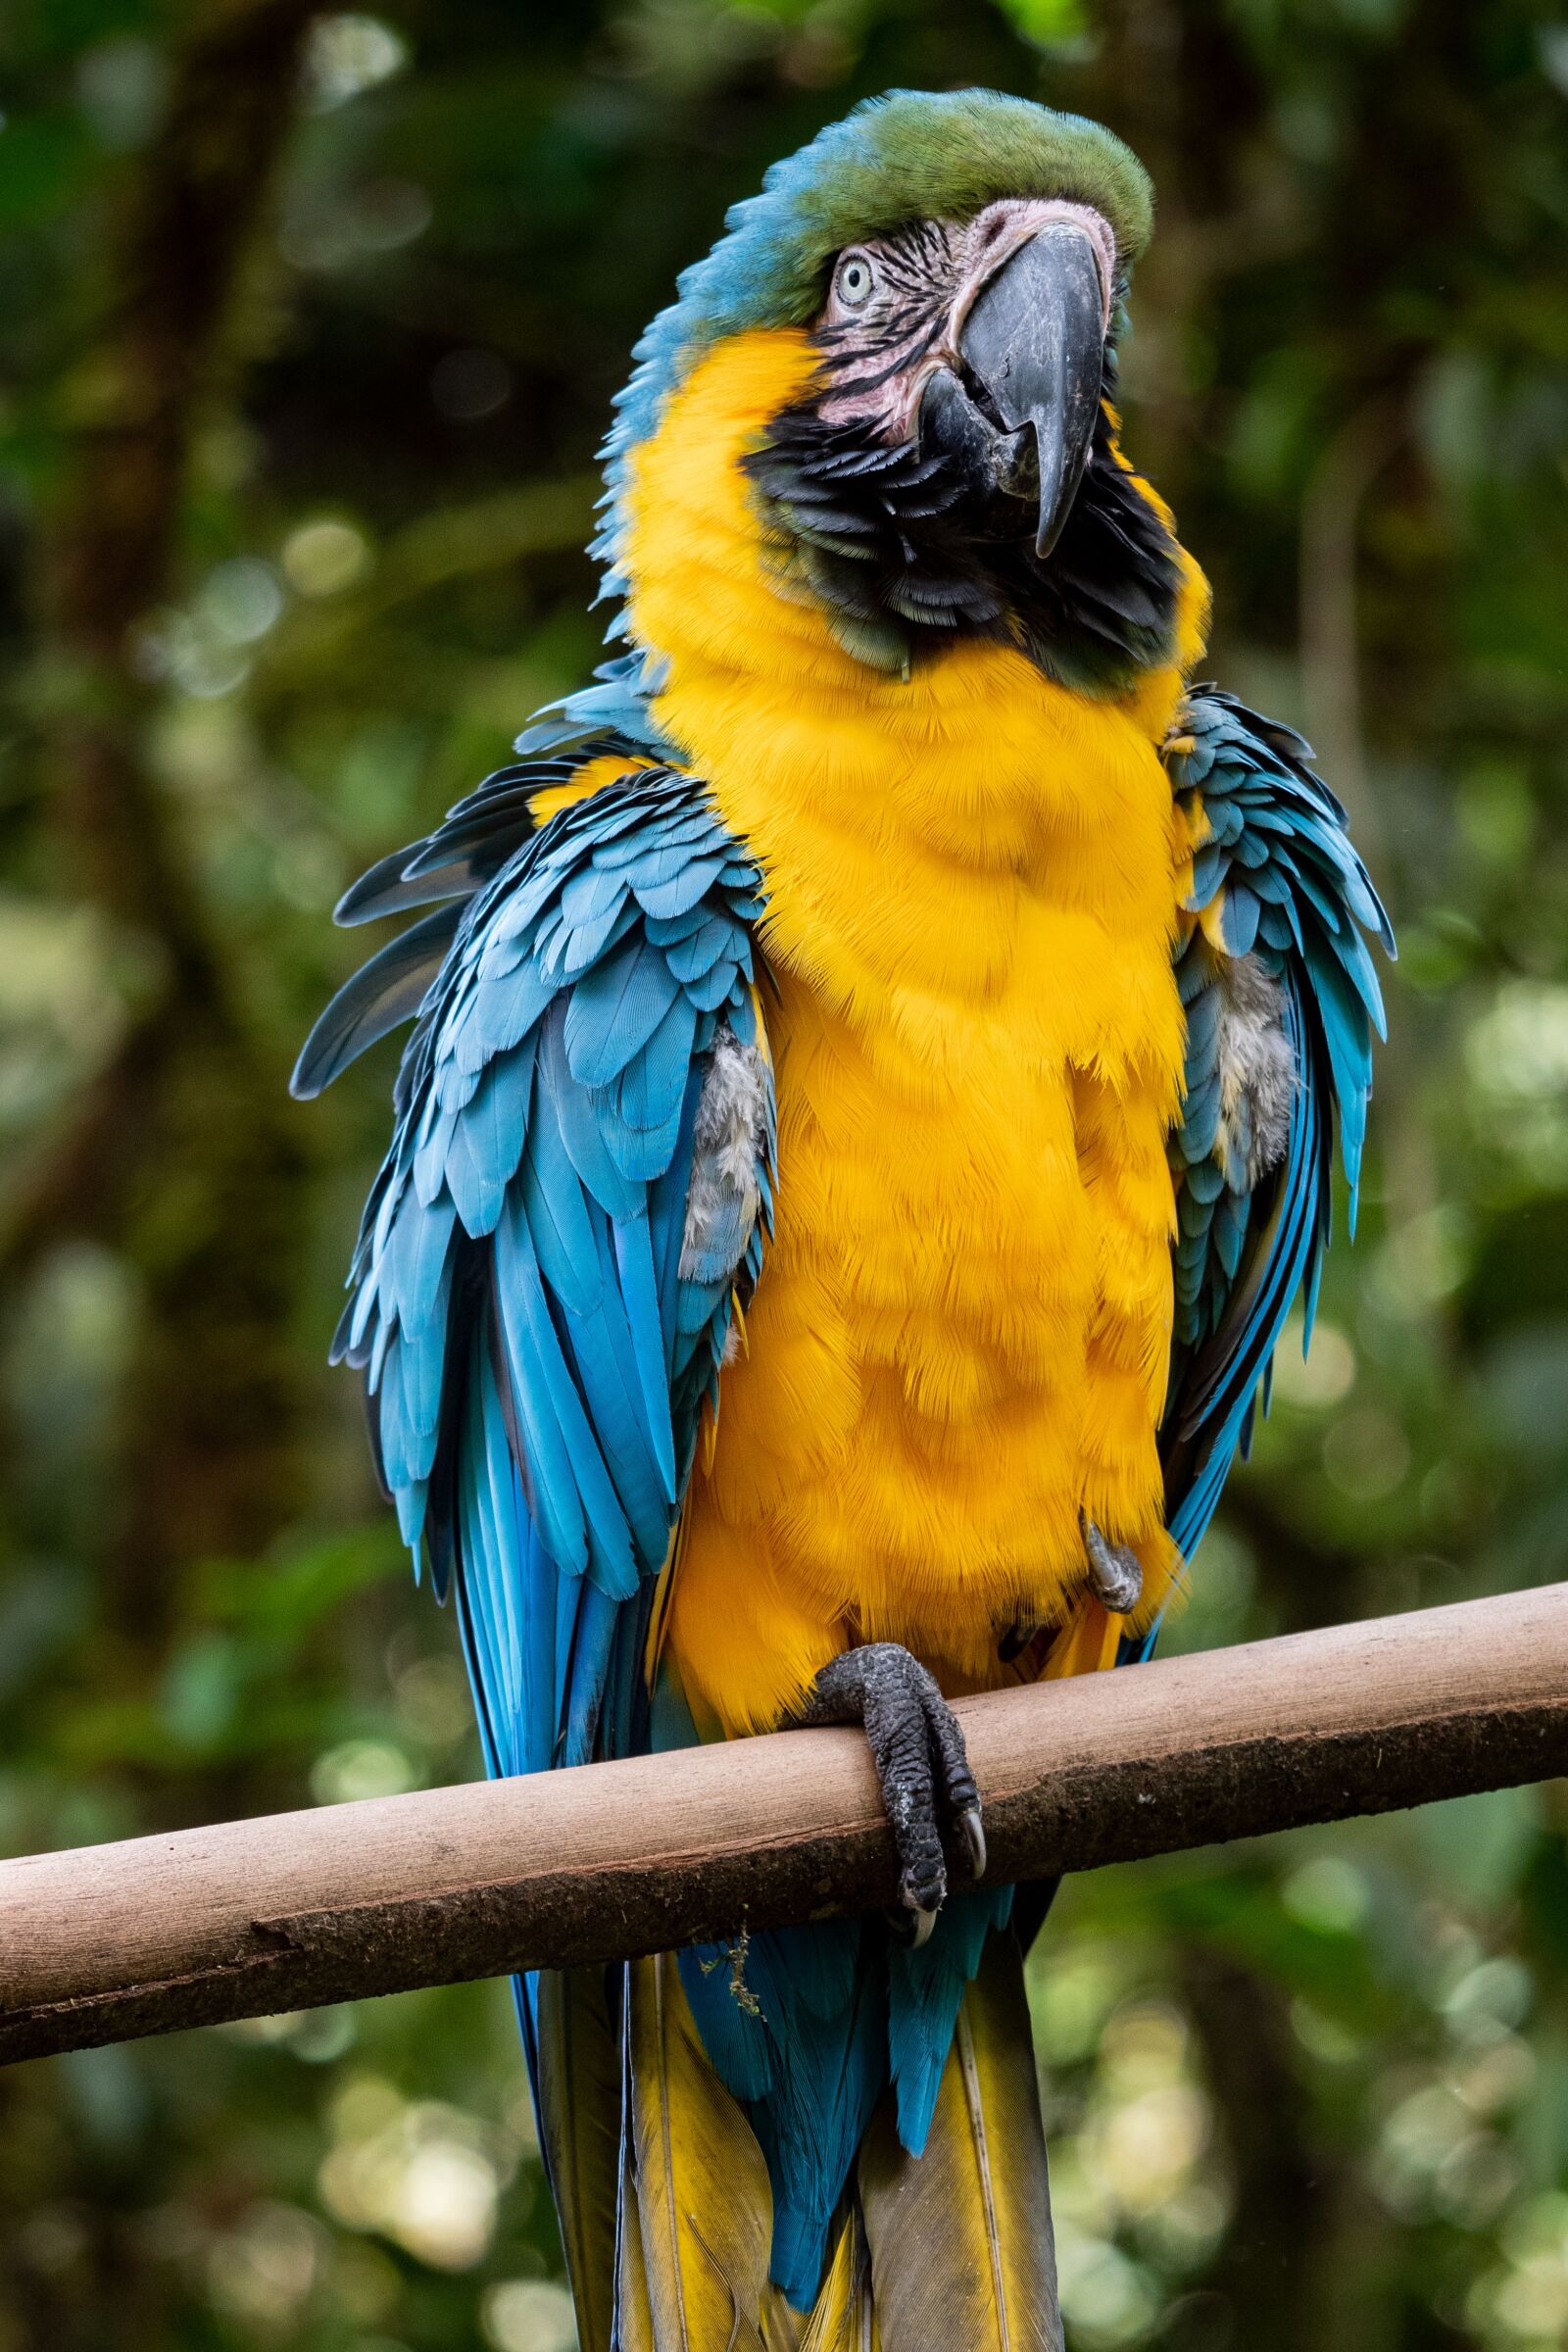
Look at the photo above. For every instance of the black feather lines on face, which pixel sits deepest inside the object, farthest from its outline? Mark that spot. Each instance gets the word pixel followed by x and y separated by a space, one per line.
pixel 915 285
pixel 885 539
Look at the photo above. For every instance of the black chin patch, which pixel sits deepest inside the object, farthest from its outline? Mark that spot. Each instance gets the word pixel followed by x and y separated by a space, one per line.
pixel 903 559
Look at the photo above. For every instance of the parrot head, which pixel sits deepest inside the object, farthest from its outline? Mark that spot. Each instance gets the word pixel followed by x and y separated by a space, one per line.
pixel 981 343
pixel 947 464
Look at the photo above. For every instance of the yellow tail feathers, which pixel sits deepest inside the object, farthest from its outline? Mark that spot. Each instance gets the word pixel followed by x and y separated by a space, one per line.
pixel 579 2126
pixel 634 2313
pixel 961 2245
pixel 703 2208
pixel 952 2248
pixel 843 2320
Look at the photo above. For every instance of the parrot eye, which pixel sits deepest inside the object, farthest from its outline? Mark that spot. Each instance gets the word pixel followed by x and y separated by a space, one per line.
pixel 853 281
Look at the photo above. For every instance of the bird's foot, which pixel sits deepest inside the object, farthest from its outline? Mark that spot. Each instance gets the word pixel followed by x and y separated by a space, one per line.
pixel 919 1752
pixel 1113 1570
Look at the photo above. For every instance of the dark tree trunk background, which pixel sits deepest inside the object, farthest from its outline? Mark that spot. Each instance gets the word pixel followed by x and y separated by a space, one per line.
pixel 183 1156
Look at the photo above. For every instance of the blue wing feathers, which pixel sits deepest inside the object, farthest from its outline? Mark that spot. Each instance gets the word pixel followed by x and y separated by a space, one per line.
pixel 650 1091
pixel 1249 1241
pixel 549 1200
pixel 613 1012
pixel 532 1200
pixel 383 994
pixel 580 1129
pixel 653 1342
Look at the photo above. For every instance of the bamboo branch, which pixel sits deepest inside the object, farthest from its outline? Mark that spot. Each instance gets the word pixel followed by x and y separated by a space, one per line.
pixel 110 1942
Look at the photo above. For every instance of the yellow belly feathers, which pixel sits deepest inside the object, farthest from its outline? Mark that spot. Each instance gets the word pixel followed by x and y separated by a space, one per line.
pixel 962 1331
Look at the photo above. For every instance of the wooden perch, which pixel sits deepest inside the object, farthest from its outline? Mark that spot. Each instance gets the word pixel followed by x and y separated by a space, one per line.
pixel 253 1917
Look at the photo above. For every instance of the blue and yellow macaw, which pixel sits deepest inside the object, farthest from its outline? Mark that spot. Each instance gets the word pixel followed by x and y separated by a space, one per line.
pixel 877 1061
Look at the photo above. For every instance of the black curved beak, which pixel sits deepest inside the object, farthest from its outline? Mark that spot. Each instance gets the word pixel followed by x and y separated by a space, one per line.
pixel 1033 347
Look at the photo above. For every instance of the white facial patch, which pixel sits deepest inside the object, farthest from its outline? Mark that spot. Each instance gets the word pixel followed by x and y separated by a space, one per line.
pixel 886 344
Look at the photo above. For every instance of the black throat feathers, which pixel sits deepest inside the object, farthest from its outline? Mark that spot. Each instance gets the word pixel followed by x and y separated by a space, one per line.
pixel 887 541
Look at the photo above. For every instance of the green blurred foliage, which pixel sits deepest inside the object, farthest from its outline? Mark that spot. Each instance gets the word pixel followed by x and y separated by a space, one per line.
pixel 1318 2085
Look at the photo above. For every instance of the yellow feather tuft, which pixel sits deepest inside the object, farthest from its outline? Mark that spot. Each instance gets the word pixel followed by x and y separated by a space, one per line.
pixel 1211 921
pixel 590 777
pixel 1087 1642
pixel 658 1615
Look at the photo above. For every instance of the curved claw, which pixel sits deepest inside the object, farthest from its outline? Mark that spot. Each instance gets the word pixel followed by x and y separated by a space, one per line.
pixel 910 1923
pixel 974 1838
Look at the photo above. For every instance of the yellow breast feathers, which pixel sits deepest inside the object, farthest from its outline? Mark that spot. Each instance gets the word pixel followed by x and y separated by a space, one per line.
pixel 962 1332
